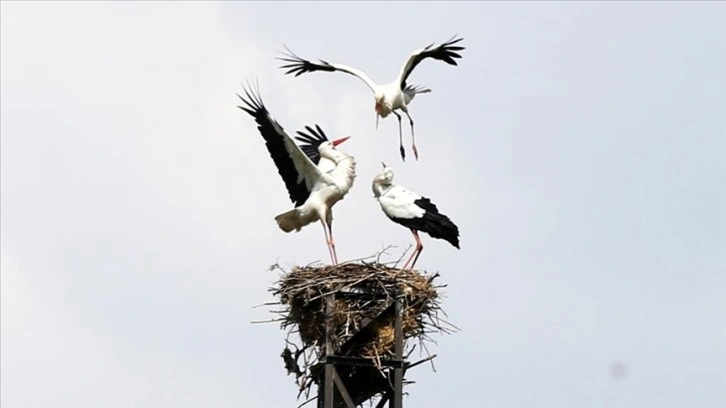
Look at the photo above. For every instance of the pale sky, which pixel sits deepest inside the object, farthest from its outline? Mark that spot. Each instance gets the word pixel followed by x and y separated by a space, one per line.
pixel 579 146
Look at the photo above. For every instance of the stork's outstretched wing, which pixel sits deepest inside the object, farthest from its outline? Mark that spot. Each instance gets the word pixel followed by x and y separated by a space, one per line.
pixel 309 144
pixel 298 66
pixel 311 141
pixel 447 52
pixel 297 170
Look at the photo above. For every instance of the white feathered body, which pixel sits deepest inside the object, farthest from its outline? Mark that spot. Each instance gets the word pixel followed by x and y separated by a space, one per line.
pixel 338 175
pixel 412 210
pixel 398 202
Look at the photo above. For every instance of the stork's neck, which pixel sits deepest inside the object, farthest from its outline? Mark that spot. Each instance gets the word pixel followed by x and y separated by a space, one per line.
pixel 344 172
pixel 385 109
pixel 380 189
pixel 337 157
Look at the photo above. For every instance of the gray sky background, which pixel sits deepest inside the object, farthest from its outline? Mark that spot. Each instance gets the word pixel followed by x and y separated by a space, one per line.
pixel 579 146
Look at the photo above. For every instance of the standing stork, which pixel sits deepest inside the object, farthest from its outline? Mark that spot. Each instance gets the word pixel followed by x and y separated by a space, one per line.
pixel 390 97
pixel 413 211
pixel 317 175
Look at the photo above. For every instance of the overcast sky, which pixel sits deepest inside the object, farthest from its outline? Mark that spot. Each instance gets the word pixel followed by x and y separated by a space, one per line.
pixel 579 146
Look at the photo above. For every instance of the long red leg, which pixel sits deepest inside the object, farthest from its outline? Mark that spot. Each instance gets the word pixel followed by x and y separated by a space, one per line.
pixel 332 244
pixel 409 259
pixel 416 251
pixel 413 138
pixel 419 248
pixel 400 136
pixel 327 242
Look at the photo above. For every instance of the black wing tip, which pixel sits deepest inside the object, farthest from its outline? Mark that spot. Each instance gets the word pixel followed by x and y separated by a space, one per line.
pixel 446 52
pixel 450 48
pixel 451 232
pixel 288 53
pixel 455 243
pixel 310 141
pixel 454 39
pixel 434 223
pixel 252 100
pixel 314 137
pixel 300 67
pixel 248 110
pixel 292 60
pixel 449 44
pixel 456 237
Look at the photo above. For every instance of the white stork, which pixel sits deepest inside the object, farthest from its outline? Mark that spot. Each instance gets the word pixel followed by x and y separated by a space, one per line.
pixel 389 97
pixel 316 173
pixel 413 211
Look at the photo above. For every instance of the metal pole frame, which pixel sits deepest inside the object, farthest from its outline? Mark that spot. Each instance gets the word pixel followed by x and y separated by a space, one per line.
pixel 332 380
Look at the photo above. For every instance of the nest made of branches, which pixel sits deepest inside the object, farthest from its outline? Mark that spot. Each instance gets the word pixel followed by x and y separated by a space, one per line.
pixel 363 314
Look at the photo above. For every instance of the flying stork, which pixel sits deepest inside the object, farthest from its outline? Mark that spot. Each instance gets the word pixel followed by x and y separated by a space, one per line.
pixel 317 175
pixel 390 97
pixel 413 211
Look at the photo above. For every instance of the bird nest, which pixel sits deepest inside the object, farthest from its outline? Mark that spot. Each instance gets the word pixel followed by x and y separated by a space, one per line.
pixel 362 307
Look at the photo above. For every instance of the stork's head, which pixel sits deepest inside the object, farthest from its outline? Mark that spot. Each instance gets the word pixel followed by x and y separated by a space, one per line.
pixel 329 149
pixel 380 101
pixel 383 180
pixel 315 144
pixel 387 172
pixel 332 144
pixel 380 106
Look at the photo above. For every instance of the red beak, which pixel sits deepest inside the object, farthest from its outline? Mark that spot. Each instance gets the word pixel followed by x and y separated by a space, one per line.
pixel 341 140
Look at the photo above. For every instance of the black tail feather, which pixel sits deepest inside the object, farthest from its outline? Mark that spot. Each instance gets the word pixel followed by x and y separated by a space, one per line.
pixel 433 223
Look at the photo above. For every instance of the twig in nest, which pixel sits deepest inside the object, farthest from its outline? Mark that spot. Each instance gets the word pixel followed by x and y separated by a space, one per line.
pixel 403 255
pixel 412 365
pixel 267 321
pixel 310 400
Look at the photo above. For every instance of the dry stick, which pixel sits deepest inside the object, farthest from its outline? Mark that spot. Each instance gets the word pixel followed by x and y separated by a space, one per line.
pixel 266 321
pixel 371 256
pixel 427 352
pixel 431 357
pixel 311 399
pixel 348 286
pixel 403 255
pixel 265 304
